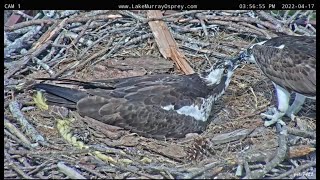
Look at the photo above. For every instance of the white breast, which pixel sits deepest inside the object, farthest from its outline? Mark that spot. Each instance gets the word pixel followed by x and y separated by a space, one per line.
pixel 199 112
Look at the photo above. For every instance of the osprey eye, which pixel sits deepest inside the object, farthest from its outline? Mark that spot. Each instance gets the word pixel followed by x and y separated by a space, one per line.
pixel 225 71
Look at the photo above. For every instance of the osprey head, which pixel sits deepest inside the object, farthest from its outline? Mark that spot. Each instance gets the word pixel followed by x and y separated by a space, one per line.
pixel 247 55
pixel 221 70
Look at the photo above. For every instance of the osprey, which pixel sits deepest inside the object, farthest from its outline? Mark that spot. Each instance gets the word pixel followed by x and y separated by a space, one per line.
pixel 290 63
pixel 158 106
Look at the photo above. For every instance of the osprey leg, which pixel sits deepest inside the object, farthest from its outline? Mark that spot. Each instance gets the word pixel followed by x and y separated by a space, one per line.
pixel 283 97
pixel 296 106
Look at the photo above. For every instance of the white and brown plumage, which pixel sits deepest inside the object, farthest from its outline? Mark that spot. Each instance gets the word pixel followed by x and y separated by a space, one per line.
pixel 290 63
pixel 158 106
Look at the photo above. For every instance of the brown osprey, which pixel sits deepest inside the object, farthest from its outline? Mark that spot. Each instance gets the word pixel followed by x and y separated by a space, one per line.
pixel 158 106
pixel 290 63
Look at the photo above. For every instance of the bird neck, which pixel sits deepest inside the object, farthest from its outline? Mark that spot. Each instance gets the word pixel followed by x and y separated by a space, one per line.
pixel 216 80
pixel 212 76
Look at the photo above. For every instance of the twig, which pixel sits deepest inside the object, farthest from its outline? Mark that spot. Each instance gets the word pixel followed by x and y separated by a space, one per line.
pixel 71 173
pixel 302 133
pixel 93 44
pixel 103 51
pixel 133 15
pixel 24 60
pixel 73 35
pixel 138 39
pixel 203 25
pixel 64 70
pixel 292 17
pixel 50 33
pixel 23 14
pixel 202 171
pixel 15 167
pixel 117 46
pixel 44 66
pixel 268 35
pixel 270 18
pixel 280 155
pixel 249 20
pixel 296 170
pixel 92 171
pixel 39 168
pixel 188 39
pixel 255 98
pixel 18 43
pixel 30 130
pixel 52 21
pixel 78 37
pixel 166 18
pixel 24 140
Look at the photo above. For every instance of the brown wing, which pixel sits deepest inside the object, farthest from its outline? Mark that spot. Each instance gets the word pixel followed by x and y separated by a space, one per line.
pixel 293 67
pixel 143 119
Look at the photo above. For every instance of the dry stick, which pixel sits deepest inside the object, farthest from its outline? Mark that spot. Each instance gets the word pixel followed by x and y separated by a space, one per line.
pixel 249 20
pixel 302 133
pixel 166 43
pixel 101 52
pixel 138 39
pixel 75 41
pixel 296 170
pixel 24 15
pixel 93 44
pixel 21 137
pixel 92 171
pixel 236 27
pixel 165 18
pixel 39 168
pixel 188 39
pixel 280 155
pixel 285 15
pixel 270 18
pixel 133 15
pixel 135 172
pixel 52 21
pixel 292 17
pixel 119 44
pixel 29 129
pixel 15 167
pixel 200 172
pixel 304 30
pixel 62 71
pixel 184 13
pixel 203 25
pixel 18 43
pixel 24 60
pixel 268 35
pixel 70 172
pixel 44 66
pixel 53 31
pixel 50 152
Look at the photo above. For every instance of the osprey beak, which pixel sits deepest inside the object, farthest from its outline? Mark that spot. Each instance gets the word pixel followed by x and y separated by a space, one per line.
pixel 245 57
pixel 235 62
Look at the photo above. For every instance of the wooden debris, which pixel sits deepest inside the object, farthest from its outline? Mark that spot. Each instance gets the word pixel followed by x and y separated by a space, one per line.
pixel 166 44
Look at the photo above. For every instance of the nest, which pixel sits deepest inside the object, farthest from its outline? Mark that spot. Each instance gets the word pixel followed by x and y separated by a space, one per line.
pixel 88 45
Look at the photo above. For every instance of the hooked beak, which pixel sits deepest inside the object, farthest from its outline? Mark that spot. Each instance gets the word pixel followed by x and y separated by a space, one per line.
pixel 245 57
pixel 235 62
